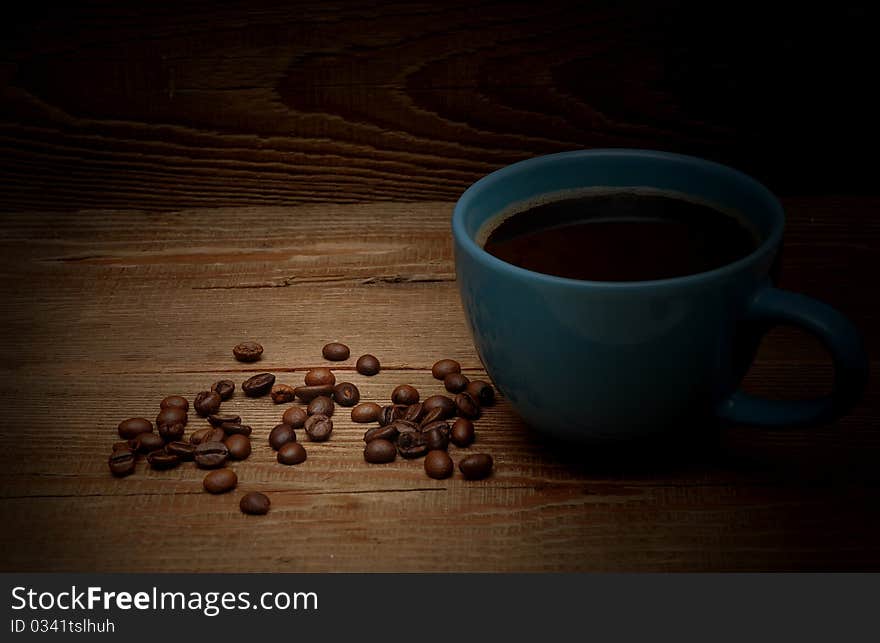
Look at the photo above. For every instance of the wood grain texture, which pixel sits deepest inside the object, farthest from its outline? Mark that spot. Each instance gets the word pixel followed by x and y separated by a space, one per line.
pixel 106 312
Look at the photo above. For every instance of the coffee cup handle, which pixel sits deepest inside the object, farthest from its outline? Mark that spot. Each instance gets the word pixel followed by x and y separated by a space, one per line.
pixel 847 353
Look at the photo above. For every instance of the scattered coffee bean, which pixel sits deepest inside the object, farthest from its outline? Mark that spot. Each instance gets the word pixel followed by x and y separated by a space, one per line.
pixel 258 385
pixel 439 425
pixel 388 432
pixel 281 435
pixel 121 462
pixel 171 415
pixel 467 406
pixel 254 503
pixel 366 412
pixel 411 445
pixel 239 446
pixel 309 393
pixel 291 453
pixel 320 376
pixel 414 412
pixel 295 417
pixel 220 481
pixel 462 434
pixel 405 394
pixel 222 418
pixel 319 427
pixel 405 426
pixel 175 402
pixel 444 367
pixel 146 442
pixel 282 393
pixel 132 427
pixel 171 432
pixel 438 465
pixel 161 459
pixel 207 403
pixel 236 428
pixel 476 467
pixel 446 404
pixel 210 455
pixel 321 405
pixel 436 439
pixel 346 394
pixel 224 388
pixel 455 382
pixel 247 351
pixel 432 415
pixel 390 413
pixel 335 352
pixel 367 365
pixel 183 450
pixel 380 451
pixel 482 392
pixel 207 434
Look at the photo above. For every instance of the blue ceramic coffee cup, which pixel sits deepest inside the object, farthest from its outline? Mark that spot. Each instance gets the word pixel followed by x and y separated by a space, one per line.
pixel 605 361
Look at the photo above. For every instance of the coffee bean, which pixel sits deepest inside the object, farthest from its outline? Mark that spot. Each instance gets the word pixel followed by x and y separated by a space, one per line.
pixel 254 503
pixel 210 455
pixel 291 453
pixel 236 428
pixel 281 435
pixel 467 406
pixel 183 450
pixel 366 412
pixel 247 351
pixel 335 352
pixel 405 426
pixel 222 418
pixel 121 462
pixel 436 439
pixel 309 393
pixel 455 382
pixel 175 402
pixel 414 412
pixel 294 416
pixel 405 394
pixel 224 388
pixel 367 365
pixel 388 432
pixel 171 432
pixel 320 377
pixel 282 393
pixel 440 425
pixel 444 367
pixel 132 427
pixel 380 451
pixel 476 467
pixel 161 459
pixel 258 385
pixel 432 415
pixel 207 434
pixel 438 465
pixel 146 442
pixel 390 413
pixel 346 394
pixel 462 434
pixel 446 404
pixel 207 403
pixel 171 423
pixel 220 481
pixel 319 427
pixel 321 405
pixel 481 391
pixel 411 445
pixel 239 446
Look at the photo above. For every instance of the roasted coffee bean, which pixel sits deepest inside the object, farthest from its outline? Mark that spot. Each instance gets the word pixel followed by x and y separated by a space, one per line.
pixel 309 393
pixel 171 415
pixel 320 376
pixel 414 412
pixel 207 434
pixel 436 439
pixel 462 434
pixel 236 428
pixel 254 503
pixel 224 388
pixel 175 402
pixel 405 394
pixel 390 413
pixel 321 405
pixel 481 391
pixel 476 467
pixel 161 459
pixel 121 462
pixel 438 465
pixel 446 404
pixel 388 432
pixel 247 351
pixel 346 394
pixel 132 427
pixel 467 406
pixel 455 382
pixel 319 427
pixel 146 442
pixel 291 453
pixel 258 385
pixel 335 352
pixel 380 451
pixel 440 425
pixel 183 450
pixel 282 393
pixel 220 481
pixel 210 455
pixel 222 418
pixel 239 446
pixel 124 444
pixel 431 415
pixel 295 417
pixel 367 365
pixel 281 435
pixel 444 367
pixel 366 412
pixel 411 445
pixel 405 426
pixel 207 403
pixel 171 432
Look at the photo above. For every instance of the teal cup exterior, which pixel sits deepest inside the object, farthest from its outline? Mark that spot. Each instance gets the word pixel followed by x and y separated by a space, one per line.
pixel 609 361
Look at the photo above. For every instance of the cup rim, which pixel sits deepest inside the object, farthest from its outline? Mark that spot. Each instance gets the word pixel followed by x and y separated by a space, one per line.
pixel 464 240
